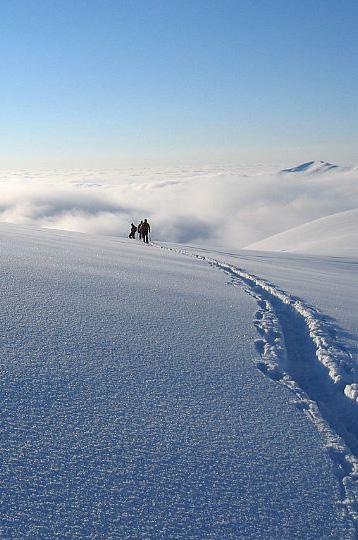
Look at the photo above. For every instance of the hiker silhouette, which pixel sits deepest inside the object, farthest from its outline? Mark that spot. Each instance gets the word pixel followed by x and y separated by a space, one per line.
pixel 133 231
pixel 145 230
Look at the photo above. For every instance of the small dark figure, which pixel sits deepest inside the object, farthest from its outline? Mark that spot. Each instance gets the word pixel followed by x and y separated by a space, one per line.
pixel 140 230
pixel 133 231
pixel 145 230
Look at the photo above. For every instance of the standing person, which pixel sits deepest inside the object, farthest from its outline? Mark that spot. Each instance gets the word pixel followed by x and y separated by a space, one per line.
pixel 133 231
pixel 140 230
pixel 145 230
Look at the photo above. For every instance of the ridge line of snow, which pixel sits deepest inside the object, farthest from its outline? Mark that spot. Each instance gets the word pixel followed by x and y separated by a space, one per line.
pixel 338 365
pixel 333 234
pixel 311 167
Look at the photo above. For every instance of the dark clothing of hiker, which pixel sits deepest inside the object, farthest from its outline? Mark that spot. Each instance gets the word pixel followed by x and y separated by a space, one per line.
pixel 145 230
pixel 133 231
pixel 140 230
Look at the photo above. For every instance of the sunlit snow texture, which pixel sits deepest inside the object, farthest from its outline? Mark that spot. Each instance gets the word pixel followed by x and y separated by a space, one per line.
pixel 131 406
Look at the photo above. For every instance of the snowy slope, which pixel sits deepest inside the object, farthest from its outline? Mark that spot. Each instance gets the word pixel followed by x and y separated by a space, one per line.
pixel 313 167
pixel 310 304
pixel 335 235
pixel 132 406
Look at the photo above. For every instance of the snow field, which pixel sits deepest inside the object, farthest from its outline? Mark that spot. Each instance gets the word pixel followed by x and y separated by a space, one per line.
pixel 130 406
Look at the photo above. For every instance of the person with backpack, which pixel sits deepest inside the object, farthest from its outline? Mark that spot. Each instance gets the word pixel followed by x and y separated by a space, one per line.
pixel 145 230
pixel 133 231
pixel 140 230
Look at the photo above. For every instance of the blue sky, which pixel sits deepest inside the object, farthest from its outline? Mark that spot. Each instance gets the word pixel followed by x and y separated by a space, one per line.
pixel 106 83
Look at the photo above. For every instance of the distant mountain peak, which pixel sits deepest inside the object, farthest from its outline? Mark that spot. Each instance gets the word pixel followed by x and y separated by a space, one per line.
pixel 311 167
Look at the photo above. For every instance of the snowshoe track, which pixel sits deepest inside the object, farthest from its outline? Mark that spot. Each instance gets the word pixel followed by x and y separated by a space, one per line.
pixel 299 349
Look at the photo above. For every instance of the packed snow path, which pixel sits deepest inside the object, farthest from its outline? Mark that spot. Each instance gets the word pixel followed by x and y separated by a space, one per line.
pixel 131 406
pixel 306 350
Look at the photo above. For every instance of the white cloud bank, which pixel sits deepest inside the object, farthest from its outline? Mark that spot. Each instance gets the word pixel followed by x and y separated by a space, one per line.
pixel 230 207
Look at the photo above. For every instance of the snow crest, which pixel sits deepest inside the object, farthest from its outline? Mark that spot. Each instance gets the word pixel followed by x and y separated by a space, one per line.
pixel 334 235
pixel 312 167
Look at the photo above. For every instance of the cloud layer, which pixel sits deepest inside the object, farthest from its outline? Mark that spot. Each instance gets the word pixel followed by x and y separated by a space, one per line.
pixel 229 207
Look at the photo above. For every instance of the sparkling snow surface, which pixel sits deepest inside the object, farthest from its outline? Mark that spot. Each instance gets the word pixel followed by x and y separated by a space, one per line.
pixel 131 406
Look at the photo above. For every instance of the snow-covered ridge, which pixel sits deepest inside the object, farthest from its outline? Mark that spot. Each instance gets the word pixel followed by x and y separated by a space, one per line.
pixel 334 235
pixel 312 167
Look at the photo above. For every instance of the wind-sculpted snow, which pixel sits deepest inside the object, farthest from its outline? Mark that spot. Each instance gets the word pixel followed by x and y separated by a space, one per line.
pixel 131 407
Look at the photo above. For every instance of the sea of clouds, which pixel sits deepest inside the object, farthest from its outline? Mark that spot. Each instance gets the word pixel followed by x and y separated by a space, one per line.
pixel 217 206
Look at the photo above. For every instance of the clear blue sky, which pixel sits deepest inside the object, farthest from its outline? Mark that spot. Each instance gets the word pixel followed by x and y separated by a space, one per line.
pixel 106 83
